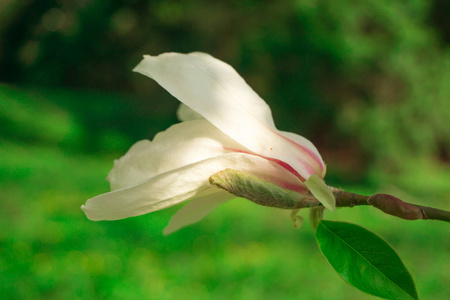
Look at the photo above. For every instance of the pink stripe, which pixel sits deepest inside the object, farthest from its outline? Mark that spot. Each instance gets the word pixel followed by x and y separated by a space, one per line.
pixel 292 187
pixel 277 161
pixel 305 149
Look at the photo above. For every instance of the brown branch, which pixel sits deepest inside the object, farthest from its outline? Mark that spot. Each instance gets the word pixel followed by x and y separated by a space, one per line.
pixel 267 193
pixel 392 206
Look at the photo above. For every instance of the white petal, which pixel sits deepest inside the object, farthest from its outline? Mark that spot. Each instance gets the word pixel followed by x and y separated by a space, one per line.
pixel 216 91
pixel 178 146
pixel 196 209
pixel 172 187
pixel 231 81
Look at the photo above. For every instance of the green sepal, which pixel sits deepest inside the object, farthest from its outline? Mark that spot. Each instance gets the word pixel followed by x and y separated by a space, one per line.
pixel 316 215
pixel 321 191
pixel 296 220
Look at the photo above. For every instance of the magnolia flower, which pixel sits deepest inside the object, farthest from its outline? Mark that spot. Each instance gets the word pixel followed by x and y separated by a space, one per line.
pixel 226 125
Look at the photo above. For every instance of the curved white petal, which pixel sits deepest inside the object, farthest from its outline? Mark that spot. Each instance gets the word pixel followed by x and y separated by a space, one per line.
pixel 178 146
pixel 231 81
pixel 172 187
pixel 196 209
pixel 217 92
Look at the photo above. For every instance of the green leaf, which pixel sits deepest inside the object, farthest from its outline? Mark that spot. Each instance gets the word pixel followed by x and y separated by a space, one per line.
pixel 365 260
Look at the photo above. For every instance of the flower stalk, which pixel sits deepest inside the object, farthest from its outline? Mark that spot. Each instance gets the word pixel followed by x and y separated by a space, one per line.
pixel 269 194
pixel 391 205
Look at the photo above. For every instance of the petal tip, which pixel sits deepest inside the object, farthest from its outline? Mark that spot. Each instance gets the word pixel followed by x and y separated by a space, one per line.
pixel 88 213
pixel 85 210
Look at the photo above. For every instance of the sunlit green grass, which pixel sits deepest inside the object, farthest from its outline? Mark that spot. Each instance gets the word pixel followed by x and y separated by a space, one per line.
pixel 50 250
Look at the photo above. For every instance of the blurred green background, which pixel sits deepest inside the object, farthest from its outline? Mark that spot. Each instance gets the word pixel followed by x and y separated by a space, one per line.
pixel 366 81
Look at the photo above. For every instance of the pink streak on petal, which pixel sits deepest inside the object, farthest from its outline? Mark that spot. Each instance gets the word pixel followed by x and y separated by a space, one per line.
pixel 281 163
pixel 308 151
pixel 291 186
pixel 286 166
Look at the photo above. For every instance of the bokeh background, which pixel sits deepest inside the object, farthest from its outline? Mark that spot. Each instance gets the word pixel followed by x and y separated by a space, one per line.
pixel 367 81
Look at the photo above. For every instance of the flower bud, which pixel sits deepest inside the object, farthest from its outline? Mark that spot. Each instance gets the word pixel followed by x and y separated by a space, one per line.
pixel 395 207
pixel 259 191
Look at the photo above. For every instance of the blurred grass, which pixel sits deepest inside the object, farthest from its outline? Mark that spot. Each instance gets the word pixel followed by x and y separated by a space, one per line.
pixel 49 250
